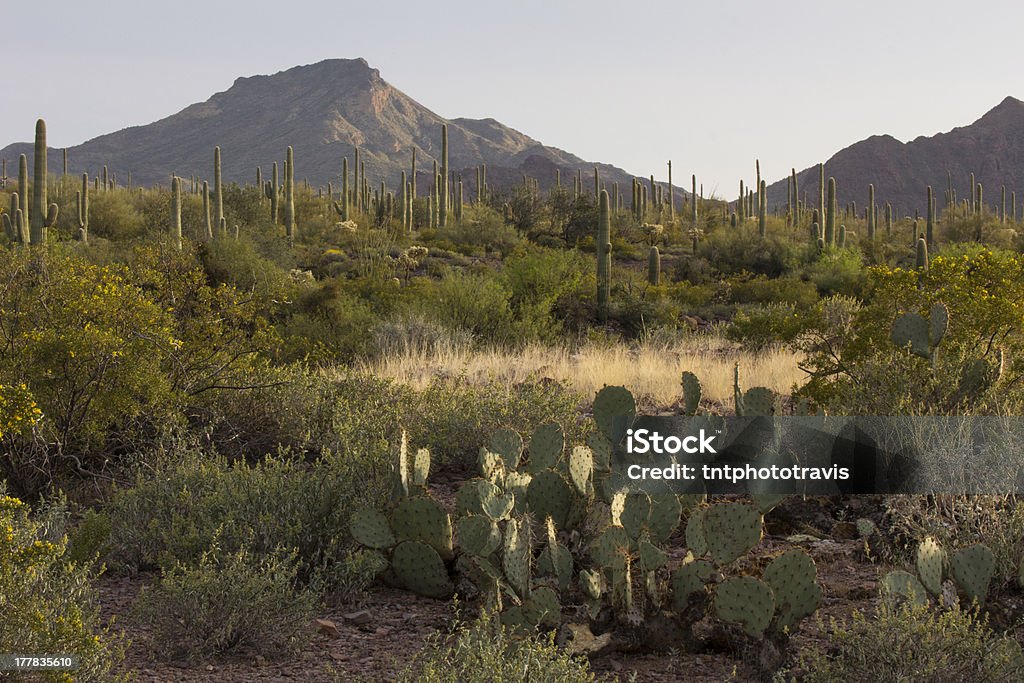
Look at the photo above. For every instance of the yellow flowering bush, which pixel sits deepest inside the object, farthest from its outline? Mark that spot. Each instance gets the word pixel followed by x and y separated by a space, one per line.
pixel 18 410
pixel 46 603
pixel 856 369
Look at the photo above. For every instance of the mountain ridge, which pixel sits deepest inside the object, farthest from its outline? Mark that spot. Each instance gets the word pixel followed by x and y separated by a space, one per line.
pixel 992 147
pixel 324 110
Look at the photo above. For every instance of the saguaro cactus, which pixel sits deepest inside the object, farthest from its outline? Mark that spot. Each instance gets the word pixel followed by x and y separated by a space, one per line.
pixel 206 210
pixel 442 202
pixel 83 209
pixel 271 190
pixel 42 216
pixel 603 242
pixel 762 210
pixel 175 209
pixel 218 187
pixel 929 230
pixel 830 215
pixel 871 211
pixel 654 266
pixel 289 196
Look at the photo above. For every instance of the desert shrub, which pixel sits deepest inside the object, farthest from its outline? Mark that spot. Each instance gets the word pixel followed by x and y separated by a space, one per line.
pixel 308 412
pixel 763 290
pixel 47 602
pixel 238 263
pixel 329 325
pixel 838 271
pixel 538 279
pixel 913 643
pixel 454 418
pixel 182 510
pixel 411 333
pixel 759 327
pixel 856 369
pixel 227 601
pixel 477 304
pixel 483 651
pixel 113 215
pixel 636 310
pixel 88 344
pixel 742 249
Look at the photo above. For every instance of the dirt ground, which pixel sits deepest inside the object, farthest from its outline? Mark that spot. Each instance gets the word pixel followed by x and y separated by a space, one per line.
pixel 374 638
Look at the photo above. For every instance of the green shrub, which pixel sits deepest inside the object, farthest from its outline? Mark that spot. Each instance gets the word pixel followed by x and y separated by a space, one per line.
pixel 759 327
pixel 741 249
pixel 485 652
pixel 477 304
pixel 182 510
pixel 113 215
pixel 913 644
pixel 856 369
pixel 47 602
pixel 454 418
pixel 838 271
pixel 225 602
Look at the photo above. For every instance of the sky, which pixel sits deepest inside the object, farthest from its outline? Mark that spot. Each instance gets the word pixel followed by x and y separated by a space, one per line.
pixel 710 85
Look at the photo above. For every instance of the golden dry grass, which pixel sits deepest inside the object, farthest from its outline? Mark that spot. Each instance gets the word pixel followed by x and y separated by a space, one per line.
pixel 652 372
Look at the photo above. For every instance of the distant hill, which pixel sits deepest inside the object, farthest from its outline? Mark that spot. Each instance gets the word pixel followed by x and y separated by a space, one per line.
pixel 992 148
pixel 323 110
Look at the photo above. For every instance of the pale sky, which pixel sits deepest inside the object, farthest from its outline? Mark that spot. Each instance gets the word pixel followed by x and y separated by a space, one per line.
pixel 710 85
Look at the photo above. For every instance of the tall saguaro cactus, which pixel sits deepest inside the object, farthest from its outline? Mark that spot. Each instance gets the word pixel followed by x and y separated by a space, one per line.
pixel 830 215
pixel 762 210
pixel 175 210
pixel 871 211
pixel 218 186
pixel 271 189
pixel 42 216
pixel 603 242
pixel 289 196
pixel 83 209
pixel 442 200
pixel 929 230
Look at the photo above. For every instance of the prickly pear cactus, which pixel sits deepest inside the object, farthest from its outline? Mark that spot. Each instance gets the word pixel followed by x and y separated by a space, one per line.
pixel 972 568
pixel 614 410
pixel 371 528
pixel 691 393
pixel 478 535
pixel 899 586
pixel 423 519
pixel 692 578
pixel 548 495
pixel 546 446
pixel 420 569
pixel 515 559
pixel 931 564
pixel 581 469
pixel 746 601
pixel 759 401
pixel 794 581
pixel 912 329
pixel 731 530
pixel 509 445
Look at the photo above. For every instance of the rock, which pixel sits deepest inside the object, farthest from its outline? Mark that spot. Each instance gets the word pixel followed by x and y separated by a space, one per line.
pixel 360 618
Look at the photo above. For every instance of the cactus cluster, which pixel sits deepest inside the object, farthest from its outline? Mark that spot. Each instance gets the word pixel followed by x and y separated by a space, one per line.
pixel 967 573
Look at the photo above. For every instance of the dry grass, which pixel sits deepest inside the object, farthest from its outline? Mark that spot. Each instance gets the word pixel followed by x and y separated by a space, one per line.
pixel 652 372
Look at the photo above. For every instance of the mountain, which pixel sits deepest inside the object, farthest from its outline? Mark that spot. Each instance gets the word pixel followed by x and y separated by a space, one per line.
pixel 992 148
pixel 323 110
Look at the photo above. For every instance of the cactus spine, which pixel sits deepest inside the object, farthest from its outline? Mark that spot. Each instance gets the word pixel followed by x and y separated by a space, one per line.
pixel 604 256
pixel 83 209
pixel 42 216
